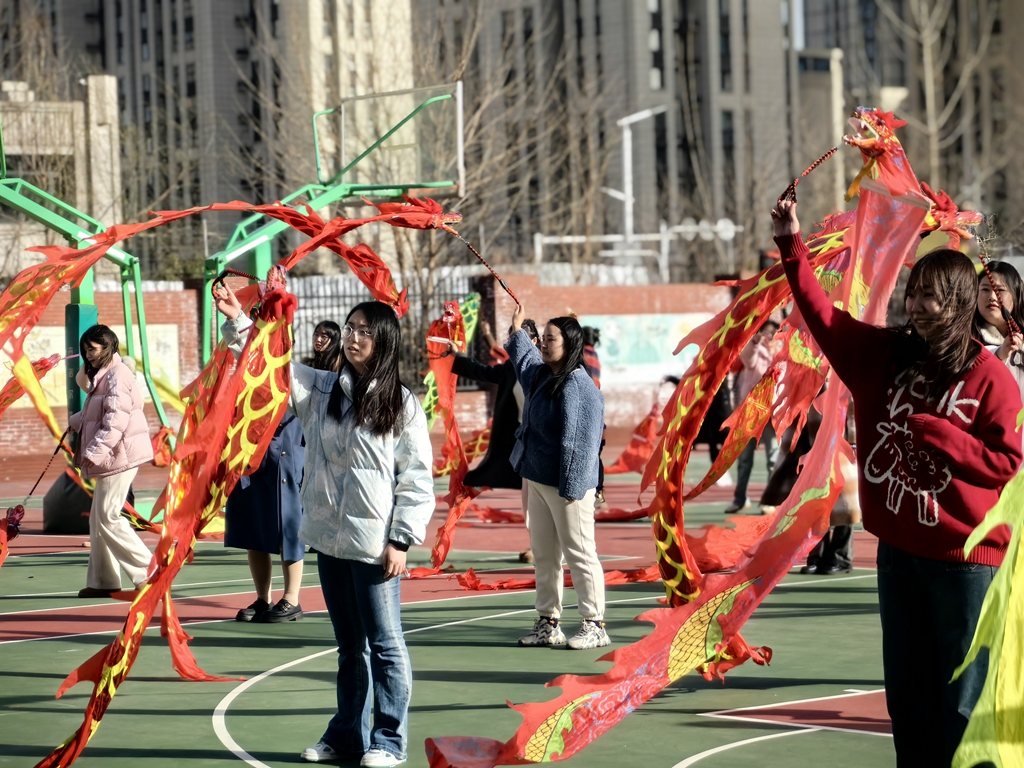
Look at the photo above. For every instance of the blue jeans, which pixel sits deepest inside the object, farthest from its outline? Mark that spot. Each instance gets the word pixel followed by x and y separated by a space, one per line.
pixel 365 612
pixel 929 611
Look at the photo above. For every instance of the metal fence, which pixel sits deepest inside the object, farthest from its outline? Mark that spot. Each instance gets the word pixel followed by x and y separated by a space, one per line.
pixel 331 297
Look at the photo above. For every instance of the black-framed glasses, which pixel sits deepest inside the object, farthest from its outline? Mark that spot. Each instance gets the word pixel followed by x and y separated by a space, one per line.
pixel 360 333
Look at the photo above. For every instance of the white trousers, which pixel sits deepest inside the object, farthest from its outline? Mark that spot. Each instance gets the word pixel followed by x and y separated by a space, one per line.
pixel 112 540
pixel 565 528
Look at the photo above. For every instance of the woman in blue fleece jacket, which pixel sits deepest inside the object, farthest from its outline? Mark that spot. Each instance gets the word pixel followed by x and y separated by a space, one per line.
pixel 556 452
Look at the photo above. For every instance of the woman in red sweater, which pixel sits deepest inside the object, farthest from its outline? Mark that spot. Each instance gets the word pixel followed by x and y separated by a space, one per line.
pixel 936 422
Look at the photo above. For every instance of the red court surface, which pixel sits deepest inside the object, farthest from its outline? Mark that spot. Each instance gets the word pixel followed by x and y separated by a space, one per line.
pixel 860 712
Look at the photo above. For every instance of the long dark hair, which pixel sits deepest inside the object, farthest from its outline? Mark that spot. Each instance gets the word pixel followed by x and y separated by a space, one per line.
pixel 329 359
pixel 951 276
pixel 380 409
pixel 102 335
pixel 1013 283
pixel 572 340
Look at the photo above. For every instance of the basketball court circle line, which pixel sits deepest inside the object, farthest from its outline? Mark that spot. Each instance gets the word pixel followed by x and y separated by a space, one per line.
pixel 729 714
pixel 220 711
pixel 726 747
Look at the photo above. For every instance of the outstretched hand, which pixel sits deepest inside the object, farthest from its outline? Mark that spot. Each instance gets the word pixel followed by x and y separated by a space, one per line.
pixel 226 301
pixel 784 218
pixel 517 317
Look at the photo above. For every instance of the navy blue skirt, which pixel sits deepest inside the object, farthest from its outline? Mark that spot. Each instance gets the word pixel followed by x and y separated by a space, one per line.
pixel 265 509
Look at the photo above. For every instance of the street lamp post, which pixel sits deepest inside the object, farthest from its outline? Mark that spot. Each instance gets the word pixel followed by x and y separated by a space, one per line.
pixel 626 123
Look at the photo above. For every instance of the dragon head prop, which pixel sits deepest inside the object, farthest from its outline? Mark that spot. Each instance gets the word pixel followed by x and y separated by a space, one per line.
pixel 873 130
pixel 874 134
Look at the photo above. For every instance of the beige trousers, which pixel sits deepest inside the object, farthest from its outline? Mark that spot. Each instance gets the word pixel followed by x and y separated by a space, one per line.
pixel 560 528
pixel 112 540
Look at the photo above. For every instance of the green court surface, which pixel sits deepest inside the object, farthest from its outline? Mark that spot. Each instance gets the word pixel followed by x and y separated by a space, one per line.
pixel 816 704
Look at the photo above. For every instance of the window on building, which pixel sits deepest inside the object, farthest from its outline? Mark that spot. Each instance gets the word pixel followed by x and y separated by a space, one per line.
pixel 729 162
pixel 350 18
pixel 724 46
pixel 190 80
pixel 655 46
pixel 368 16
pixel 580 68
pixel 746 46
pixel 528 46
pixel 328 11
pixel 119 18
pixel 189 11
pixel 174 26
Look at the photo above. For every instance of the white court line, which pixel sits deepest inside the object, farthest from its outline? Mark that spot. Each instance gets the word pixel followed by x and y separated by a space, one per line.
pixel 726 747
pixel 220 712
pixel 823 582
pixel 176 586
pixel 727 714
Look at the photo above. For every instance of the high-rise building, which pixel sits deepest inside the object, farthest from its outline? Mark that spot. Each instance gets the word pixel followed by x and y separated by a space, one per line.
pixel 719 149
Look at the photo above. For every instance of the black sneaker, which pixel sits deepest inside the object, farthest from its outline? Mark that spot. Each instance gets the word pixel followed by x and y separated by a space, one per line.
pixel 282 612
pixel 95 592
pixel 254 612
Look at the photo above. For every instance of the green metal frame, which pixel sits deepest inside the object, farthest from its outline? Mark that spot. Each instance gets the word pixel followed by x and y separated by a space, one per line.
pixel 253 236
pixel 77 228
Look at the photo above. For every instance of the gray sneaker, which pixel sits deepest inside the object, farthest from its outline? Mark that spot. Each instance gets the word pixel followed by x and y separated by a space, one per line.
pixel 592 634
pixel 545 632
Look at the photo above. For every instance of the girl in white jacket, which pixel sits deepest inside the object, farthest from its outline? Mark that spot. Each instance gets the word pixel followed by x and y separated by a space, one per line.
pixel 367 496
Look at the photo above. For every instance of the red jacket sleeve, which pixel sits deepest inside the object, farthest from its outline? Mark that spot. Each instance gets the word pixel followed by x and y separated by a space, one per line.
pixel 850 345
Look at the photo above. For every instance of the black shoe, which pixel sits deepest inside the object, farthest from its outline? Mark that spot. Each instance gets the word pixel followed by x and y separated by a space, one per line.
pixel 832 570
pixel 809 569
pixel 94 592
pixel 254 612
pixel 282 612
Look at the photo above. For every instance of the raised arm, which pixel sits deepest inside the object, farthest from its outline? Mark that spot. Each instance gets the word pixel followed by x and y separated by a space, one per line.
pixel 848 344
pixel 468 368
pixel 522 353
pixel 234 329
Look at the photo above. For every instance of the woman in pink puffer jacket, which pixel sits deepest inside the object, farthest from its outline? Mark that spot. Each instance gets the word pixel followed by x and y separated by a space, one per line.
pixel 113 440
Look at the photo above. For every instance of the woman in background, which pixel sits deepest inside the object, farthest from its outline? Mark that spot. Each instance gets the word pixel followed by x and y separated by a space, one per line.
pixel 265 510
pixel 113 441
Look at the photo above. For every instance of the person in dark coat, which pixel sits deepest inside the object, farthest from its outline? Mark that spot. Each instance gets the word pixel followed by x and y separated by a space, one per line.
pixel 265 509
pixel 263 515
pixel 495 469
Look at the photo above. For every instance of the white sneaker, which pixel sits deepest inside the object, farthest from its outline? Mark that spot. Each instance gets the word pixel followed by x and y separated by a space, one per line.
pixel 725 481
pixel 592 634
pixel 378 758
pixel 545 632
pixel 733 508
pixel 320 752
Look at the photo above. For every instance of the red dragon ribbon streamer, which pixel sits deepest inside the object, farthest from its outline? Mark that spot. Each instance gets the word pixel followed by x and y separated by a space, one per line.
pixel 700 628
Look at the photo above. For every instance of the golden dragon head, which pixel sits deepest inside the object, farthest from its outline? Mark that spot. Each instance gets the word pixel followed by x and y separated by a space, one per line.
pixel 874 131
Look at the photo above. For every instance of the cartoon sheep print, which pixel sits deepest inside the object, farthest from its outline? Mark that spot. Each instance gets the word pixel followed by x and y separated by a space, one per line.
pixel 906 467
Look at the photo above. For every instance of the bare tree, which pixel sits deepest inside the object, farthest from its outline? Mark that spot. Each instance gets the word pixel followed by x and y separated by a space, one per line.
pixel 946 41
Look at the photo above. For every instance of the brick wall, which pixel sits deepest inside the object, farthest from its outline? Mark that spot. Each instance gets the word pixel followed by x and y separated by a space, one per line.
pixel 21 429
